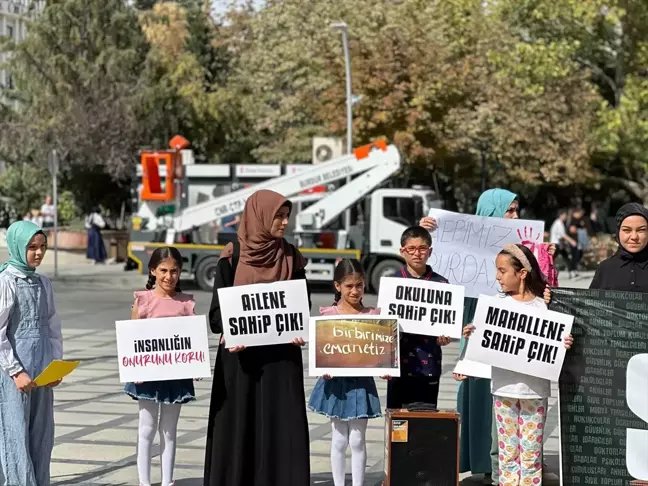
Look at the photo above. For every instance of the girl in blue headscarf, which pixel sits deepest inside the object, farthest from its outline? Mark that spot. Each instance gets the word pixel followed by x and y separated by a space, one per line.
pixel 30 338
pixel 478 442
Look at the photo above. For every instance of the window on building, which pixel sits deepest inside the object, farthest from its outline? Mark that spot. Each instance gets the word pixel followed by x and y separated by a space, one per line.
pixel 8 81
pixel 10 31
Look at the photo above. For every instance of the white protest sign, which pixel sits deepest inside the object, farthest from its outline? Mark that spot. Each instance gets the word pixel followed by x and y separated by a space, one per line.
pixel 262 314
pixel 169 348
pixel 465 247
pixel 423 307
pixel 518 337
pixel 473 369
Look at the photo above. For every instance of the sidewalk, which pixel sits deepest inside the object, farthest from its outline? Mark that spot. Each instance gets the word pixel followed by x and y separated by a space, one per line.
pixel 73 267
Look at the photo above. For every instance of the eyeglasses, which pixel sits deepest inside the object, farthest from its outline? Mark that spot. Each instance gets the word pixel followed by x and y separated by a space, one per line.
pixel 410 250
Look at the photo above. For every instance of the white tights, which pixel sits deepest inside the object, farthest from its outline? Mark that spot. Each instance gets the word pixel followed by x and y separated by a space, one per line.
pixel 148 425
pixel 348 433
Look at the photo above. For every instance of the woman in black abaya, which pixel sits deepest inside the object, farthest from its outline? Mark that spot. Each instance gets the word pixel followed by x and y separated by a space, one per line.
pixel 258 431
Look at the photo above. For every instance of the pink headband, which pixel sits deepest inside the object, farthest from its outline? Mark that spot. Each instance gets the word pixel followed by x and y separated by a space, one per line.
pixel 519 254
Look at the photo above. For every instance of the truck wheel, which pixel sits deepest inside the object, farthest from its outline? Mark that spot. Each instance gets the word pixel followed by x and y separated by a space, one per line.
pixel 385 268
pixel 205 273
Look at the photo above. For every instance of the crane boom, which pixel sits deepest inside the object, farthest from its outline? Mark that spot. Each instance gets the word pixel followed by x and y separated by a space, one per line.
pixel 287 185
pixel 318 215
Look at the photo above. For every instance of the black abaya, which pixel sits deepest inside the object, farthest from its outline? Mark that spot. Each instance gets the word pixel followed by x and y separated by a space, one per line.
pixel 258 430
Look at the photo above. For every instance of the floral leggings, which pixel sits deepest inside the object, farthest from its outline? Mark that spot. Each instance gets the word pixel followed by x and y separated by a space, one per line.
pixel 520 430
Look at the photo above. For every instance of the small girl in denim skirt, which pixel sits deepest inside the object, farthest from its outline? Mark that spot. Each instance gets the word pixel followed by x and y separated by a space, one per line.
pixel 162 298
pixel 349 402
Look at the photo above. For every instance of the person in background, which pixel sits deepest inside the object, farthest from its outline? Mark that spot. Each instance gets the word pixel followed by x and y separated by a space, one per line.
pixel 420 356
pixel 94 223
pixel 227 229
pixel 564 242
pixel 47 213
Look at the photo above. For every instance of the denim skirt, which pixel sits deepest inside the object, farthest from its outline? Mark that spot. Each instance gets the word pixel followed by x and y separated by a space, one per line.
pixel 168 391
pixel 346 398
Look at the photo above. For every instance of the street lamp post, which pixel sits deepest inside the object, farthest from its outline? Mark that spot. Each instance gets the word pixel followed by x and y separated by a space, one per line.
pixel 342 27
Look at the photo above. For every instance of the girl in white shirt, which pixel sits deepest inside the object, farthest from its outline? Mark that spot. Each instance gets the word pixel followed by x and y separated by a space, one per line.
pixel 520 400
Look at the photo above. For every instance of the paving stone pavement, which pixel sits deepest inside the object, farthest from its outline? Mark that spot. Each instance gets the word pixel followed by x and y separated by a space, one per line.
pixel 96 424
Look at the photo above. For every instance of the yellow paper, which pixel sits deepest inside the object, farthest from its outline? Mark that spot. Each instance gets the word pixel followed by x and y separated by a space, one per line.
pixel 56 370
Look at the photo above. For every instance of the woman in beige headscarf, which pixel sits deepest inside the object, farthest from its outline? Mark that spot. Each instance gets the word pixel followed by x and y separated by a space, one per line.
pixel 258 431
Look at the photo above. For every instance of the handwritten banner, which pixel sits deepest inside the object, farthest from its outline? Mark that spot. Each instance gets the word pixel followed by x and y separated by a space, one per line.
pixel 423 307
pixel 263 314
pixel 353 346
pixel 170 348
pixel 465 247
pixel 517 337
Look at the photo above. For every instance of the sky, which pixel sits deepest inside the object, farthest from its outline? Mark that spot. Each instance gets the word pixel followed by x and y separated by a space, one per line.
pixel 220 6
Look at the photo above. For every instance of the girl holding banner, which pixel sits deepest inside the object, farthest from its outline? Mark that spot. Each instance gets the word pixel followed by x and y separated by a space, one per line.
pixel 478 447
pixel 349 402
pixel 160 402
pixel 478 441
pixel 520 400
pixel 258 431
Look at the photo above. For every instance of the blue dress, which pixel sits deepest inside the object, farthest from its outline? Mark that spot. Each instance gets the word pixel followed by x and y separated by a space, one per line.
pixel 345 398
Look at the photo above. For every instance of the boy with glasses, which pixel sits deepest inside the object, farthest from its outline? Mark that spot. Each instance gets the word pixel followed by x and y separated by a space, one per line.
pixel 420 356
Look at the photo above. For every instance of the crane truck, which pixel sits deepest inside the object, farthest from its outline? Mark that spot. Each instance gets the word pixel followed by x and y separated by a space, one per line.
pixel 382 213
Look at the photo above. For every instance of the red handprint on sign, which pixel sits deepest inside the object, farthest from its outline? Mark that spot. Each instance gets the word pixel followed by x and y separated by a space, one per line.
pixel 527 238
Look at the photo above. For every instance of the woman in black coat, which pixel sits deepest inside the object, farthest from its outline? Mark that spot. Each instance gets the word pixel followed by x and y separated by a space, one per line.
pixel 627 270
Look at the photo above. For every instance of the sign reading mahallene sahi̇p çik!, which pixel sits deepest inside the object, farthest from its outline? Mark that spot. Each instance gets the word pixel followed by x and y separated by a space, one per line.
pixel 423 307
pixel 263 314
pixel 518 337
pixel 465 247
pixel 169 348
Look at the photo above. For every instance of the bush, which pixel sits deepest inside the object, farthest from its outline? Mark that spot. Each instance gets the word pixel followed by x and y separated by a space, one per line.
pixel 68 211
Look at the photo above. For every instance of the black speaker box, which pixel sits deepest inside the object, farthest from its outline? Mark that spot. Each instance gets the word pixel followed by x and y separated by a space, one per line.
pixel 421 448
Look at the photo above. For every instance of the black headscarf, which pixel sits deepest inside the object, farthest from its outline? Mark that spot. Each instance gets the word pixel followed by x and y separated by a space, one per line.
pixel 627 210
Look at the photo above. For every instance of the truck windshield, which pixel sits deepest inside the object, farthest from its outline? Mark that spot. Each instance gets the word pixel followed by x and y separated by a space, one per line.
pixel 403 210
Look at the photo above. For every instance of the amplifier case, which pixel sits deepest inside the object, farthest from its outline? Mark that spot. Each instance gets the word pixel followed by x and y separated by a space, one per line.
pixel 421 448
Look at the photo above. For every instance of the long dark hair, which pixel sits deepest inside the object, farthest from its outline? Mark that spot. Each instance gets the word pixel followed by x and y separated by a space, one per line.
pixel 535 280
pixel 157 257
pixel 345 269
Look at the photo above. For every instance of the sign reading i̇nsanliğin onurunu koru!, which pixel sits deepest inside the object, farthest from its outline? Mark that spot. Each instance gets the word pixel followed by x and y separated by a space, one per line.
pixel 604 388
pixel 169 348
pixel 423 307
pixel 264 314
pixel 353 345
